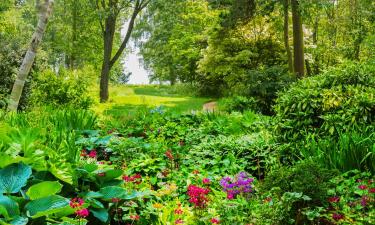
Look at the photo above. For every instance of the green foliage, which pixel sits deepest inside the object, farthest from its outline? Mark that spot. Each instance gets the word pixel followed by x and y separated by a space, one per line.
pixel 13 178
pixel 66 89
pixel 348 151
pixel 336 101
pixel 306 177
pixel 237 104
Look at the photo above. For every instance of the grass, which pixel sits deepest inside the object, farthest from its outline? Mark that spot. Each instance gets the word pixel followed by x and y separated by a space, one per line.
pixel 127 99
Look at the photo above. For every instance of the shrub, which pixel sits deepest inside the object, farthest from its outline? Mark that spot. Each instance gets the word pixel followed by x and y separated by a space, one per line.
pixel 68 88
pixel 339 100
pixel 238 104
pixel 306 177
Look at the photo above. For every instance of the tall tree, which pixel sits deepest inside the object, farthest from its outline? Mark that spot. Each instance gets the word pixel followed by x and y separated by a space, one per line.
pixel 286 35
pixel 299 58
pixel 112 10
pixel 45 10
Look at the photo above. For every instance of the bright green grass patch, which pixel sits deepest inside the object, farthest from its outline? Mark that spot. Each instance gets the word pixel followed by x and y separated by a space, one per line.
pixel 125 100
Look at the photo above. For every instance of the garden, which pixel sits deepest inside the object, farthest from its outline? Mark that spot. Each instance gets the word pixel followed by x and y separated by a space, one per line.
pixel 277 146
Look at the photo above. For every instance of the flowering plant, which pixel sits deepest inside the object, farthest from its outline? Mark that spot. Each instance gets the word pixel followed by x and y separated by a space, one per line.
pixel 198 196
pixel 240 184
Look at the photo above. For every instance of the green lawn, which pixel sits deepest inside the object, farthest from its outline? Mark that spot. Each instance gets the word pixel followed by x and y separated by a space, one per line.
pixel 127 99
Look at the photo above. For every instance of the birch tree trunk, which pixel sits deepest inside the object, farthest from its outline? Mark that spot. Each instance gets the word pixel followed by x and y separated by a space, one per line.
pixel 45 9
pixel 299 58
pixel 286 35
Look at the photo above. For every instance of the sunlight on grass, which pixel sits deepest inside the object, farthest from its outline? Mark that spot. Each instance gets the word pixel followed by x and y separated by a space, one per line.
pixel 125 99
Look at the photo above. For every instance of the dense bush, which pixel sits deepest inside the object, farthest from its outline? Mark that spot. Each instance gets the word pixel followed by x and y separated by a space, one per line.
pixel 336 101
pixel 238 104
pixel 67 88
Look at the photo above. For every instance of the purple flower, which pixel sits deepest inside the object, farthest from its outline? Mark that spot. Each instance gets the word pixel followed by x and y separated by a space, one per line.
pixel 240 184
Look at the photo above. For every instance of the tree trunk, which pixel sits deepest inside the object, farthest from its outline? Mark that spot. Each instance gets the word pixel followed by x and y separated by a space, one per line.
pixel 110 26
pixel 73 57
pixel 286 35
pixel 299 59
pixel 28 60
pixel 108 62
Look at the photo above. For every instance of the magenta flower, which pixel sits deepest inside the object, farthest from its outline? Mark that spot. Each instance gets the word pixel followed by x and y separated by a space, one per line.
pixel 337 216
pixel 215 221
pixel 92 154
pixel 206 181
pixel 362 187
pixel 198 195
pixel 334 199
pixel 82 213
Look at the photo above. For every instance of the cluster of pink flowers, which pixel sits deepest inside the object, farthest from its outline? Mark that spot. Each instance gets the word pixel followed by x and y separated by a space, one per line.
pixel 136 178
pixel 90 154
pixel 178 211
pixel 215 221
pixel 76 203
pixel 198 195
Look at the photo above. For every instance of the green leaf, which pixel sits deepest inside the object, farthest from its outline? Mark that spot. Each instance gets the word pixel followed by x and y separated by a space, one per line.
pixel 19 221
pixel 14 177
pixel 112 192
pixel 10 206
pixel 111 174
pixel 46 206
pixel 101 214
pixel 44 189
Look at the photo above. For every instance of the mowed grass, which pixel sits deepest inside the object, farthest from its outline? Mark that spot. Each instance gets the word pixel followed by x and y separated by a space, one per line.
pixel 125 100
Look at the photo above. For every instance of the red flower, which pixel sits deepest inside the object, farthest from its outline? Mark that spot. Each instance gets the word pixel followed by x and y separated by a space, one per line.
pixel 82 212
pixel 101 174
pixel 198 195
pixel 115 200
pixel 179 221
pixel 83 153
pixel 206 181
pixel 92 154
pixel 334 199
pixel 76 202
pixel 178 211
pixel 337 216
pixel 169 155
pixel 134 217
pixel 362 187
pixel 371 190
pixel 215 221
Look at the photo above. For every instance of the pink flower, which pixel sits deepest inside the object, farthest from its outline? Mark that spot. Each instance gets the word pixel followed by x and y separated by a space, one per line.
pixel 179 221
pixel 215 221
pixel 362 187
pixel 76 202
pixel 178 211
pixel 198 195
pixel 334 199
pixel 101 174
pixel 371 190
pixel 92 154
pixel 134 217
pixel 337 216
pixel 206 181
pixel 82 212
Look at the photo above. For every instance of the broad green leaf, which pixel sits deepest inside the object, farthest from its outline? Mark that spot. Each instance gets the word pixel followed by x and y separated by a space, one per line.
pixel 19 221
pixel 44 189
pixel 101 214
pixel 14 177
pixel 112 192
pixel 11 207
pixel 46 206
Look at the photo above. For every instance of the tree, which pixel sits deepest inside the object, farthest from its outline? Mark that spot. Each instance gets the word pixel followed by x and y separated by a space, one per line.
pixel 112 10
pixel 299 58
pixel 286 35
pixel 45 10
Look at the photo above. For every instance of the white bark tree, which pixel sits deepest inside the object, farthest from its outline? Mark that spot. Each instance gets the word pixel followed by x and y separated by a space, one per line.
pixel 45 9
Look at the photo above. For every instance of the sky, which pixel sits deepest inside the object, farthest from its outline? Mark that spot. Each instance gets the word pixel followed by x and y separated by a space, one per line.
pixel 132 64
